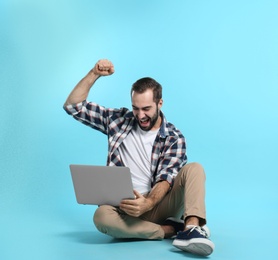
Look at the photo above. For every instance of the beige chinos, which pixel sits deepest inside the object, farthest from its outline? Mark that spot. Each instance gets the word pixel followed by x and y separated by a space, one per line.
pixel 187 198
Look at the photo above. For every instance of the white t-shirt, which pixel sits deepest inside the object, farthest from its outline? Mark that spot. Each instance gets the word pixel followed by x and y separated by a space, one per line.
pixel 135 152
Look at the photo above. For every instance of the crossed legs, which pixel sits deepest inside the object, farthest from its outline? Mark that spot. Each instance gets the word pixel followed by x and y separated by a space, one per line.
pixel 187 198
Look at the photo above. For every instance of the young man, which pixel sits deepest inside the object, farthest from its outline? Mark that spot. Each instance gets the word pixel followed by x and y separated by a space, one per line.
pixel 165 187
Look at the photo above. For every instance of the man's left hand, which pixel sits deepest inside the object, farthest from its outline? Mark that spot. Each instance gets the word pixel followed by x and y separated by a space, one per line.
pixel 136 207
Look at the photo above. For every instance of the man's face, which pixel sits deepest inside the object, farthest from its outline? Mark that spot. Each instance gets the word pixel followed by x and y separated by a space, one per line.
pixel 146 111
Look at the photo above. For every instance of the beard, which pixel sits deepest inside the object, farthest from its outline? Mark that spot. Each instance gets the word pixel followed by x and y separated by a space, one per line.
pixel 151 120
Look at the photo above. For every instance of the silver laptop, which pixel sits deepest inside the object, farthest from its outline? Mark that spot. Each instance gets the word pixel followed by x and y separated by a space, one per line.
pixel 101 185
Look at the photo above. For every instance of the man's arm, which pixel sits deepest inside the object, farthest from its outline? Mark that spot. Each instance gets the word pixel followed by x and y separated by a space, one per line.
pixel 81 90
pixel 143 204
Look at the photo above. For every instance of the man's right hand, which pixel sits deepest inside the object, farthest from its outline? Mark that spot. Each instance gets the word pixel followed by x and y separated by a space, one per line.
pixel 103 68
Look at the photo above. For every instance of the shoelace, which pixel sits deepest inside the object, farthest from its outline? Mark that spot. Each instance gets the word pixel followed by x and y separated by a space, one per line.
pixel 200 230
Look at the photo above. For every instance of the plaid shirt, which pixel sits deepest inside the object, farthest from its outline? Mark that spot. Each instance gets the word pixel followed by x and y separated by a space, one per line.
pixel 169 148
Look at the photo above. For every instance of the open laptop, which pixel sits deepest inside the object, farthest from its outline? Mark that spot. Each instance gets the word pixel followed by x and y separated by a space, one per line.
pixel 101 185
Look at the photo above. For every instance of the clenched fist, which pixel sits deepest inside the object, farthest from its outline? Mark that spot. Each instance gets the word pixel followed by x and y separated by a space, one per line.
pixel 103 68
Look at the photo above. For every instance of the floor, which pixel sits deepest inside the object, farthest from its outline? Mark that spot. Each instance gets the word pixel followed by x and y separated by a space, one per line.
pixel 50 231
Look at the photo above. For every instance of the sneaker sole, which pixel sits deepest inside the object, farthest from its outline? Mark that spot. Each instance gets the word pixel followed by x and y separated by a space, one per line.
pixel 195 246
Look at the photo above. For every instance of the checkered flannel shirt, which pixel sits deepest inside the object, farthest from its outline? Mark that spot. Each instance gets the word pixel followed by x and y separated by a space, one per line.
pixel 169 149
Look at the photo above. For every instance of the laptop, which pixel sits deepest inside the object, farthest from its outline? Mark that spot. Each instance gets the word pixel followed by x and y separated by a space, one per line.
pixel 101 185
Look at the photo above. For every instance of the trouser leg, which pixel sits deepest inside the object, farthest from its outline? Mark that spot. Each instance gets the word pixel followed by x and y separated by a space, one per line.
pixel 192 178
pixel 186 198
pixel 112 221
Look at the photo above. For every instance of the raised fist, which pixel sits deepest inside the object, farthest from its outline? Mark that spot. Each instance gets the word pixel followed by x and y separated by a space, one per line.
pixel 104 68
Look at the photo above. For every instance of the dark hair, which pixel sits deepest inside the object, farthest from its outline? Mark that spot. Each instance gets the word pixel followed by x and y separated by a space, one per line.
pixel 141 85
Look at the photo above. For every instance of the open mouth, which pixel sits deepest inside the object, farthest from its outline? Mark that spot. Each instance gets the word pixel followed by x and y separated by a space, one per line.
pixel 144 122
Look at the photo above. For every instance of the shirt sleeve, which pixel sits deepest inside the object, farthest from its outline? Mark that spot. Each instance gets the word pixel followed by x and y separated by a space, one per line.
pixel 90 114
pixel 172 159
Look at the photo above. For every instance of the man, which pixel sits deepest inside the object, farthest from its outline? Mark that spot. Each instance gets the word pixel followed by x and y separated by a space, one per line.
pixel 165 187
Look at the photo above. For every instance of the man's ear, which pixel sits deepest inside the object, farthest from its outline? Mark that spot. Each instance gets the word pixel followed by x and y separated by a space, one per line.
pixel 160 103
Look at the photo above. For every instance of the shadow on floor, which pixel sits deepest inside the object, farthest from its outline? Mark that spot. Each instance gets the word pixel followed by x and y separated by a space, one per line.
pixel 94 237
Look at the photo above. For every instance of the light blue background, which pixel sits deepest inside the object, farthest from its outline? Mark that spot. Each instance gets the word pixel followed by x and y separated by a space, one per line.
pixel 217 62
